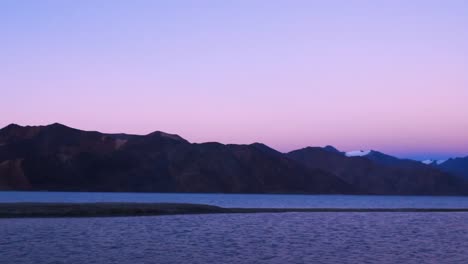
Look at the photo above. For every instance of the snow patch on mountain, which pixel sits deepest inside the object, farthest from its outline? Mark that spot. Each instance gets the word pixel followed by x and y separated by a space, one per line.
pixel 357 153
pixel 430 161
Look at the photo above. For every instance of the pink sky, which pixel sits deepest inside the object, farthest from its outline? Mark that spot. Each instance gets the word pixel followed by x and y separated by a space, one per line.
pixel 353 74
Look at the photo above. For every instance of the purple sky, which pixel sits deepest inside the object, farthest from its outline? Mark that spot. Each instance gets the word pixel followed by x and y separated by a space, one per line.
pixel 385 75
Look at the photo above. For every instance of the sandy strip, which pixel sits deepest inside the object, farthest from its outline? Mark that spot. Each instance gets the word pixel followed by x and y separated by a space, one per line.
pixel 8 210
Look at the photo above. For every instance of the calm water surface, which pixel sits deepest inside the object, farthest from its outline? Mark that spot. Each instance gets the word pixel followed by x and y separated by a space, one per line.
pixel 247 200
pixel 239 238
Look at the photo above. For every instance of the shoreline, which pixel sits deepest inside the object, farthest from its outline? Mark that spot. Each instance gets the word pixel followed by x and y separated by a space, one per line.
pixel 31 210
pixel 237 193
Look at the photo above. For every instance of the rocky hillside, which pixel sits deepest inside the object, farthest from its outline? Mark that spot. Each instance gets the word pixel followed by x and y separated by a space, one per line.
pixel 456 166
pixel 60 158
pixel 57 157
pixel 382 174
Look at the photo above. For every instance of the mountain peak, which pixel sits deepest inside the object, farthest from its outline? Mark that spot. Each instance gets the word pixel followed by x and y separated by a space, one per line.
pixel 56 125
pixel 264 148
pixel 11 126
pixel 167 135
pixel 16 126
pixel 330 148
pixel 15 131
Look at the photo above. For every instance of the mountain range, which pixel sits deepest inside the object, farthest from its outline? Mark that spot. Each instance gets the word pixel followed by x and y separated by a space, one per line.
pixel 456 166
pixel 60 158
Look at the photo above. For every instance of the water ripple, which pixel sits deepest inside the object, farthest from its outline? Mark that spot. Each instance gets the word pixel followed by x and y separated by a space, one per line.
pixel 239 238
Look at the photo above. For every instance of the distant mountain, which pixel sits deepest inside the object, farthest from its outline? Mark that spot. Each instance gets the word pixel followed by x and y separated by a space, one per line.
pixel 385 159
pixel 266 149
pixel 378 173
pixel 458 166
pixel 60 158
pixel 332 149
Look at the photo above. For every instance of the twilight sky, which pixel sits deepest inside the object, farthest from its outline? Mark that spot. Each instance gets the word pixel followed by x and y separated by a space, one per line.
pixel 390 75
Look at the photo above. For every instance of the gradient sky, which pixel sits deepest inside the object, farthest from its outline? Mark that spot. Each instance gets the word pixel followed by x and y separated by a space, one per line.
pixel 386 75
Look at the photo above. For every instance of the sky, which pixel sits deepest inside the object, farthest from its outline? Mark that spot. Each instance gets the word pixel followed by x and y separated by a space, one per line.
pixel 389 75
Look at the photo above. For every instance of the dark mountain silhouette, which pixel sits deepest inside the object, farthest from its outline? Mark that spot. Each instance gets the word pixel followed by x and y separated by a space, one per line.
pixel 60 158
pixel 458 166
pixel 332 149
pixel 380 173
pixel 387 160
pixel 57 157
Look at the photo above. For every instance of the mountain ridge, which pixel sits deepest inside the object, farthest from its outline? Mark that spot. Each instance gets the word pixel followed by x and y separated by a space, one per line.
pixel 58 157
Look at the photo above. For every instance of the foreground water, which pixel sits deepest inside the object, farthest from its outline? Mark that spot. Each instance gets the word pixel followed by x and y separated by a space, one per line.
pixel 246 200
pixel 239 238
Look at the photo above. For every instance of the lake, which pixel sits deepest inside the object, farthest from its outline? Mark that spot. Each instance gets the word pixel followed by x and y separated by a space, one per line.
pixel 240 238
pixel 246 200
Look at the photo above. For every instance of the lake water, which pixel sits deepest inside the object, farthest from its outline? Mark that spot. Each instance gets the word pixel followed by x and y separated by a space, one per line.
pixel 240 238
pixel 247 200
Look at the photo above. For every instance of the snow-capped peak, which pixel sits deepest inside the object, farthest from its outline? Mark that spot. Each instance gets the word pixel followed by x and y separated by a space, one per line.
pixel 430 161
pixel 357 153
